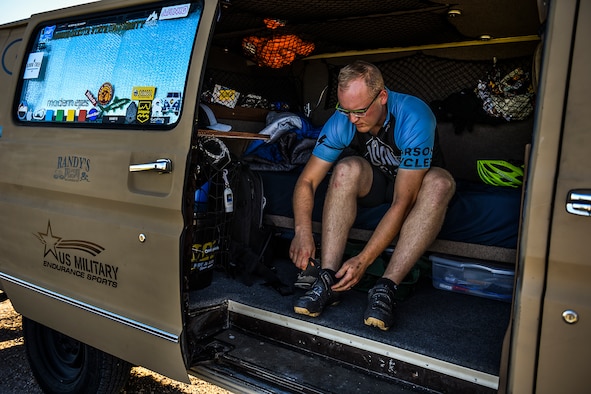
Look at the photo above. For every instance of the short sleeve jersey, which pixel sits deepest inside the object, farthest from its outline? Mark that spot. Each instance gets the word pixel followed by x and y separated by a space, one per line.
pixel 406 139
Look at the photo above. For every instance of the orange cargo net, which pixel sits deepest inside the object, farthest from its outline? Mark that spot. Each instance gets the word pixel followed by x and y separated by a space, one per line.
pixel 278 51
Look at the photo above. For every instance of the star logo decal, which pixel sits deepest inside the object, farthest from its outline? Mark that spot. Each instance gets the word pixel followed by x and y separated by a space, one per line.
pixel 52 242
pixel 49 241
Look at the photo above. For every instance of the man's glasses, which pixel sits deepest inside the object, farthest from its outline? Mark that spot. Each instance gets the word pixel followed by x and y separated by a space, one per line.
pixel 358 113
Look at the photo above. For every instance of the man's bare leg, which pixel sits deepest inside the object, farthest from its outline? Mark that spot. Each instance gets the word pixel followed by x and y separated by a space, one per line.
pixel 422 224
pixel 351 178
pixel 418 231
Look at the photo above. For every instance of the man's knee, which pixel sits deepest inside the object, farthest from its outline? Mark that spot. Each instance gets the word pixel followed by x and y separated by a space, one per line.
pixel 351 175
pixel 439 184
pixel 349 168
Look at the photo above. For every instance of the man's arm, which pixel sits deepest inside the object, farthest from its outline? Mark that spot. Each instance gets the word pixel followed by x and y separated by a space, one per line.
pixel 406 189
pixel 302 246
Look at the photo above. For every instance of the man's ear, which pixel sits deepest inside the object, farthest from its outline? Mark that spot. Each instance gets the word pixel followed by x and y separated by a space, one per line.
pixel 383 97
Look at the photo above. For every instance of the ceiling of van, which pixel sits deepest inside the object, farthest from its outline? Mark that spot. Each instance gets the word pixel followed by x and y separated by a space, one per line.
pixel 328 26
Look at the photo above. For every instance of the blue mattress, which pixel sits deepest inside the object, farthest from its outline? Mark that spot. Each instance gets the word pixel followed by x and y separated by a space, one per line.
pixel 478 213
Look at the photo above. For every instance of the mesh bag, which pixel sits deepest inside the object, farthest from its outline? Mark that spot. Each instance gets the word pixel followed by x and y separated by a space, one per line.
pixel 276 51
pixel 510 97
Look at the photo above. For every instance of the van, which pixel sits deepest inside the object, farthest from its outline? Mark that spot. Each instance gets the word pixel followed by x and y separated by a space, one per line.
pixel 104 150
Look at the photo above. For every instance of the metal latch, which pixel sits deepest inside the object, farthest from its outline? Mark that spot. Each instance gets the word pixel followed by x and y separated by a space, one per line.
pixel 163 166
pixel 578 202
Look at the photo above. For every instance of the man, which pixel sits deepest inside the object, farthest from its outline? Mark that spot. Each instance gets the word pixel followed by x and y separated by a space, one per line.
pixel 395 137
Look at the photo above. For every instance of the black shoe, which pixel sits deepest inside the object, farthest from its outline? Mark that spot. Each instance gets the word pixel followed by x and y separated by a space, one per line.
pixel 320 295
pixel 380 308
pixel 307 277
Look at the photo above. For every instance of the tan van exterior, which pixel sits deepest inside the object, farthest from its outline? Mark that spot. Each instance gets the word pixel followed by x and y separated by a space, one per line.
pixel 97 230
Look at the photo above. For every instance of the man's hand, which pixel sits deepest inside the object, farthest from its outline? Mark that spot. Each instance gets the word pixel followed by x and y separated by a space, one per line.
pixel 301 249
pixel 350 274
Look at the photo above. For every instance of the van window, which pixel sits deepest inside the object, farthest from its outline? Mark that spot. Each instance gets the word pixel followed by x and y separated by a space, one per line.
pixel 127 69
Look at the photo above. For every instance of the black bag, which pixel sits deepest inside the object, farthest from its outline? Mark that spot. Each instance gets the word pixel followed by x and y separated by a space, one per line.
pixel 250 254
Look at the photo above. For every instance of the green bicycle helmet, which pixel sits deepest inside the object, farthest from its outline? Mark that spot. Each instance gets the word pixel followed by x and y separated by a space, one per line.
pixel 500 173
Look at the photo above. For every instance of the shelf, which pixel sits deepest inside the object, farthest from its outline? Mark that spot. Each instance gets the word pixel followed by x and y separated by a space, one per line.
pixel 241 113
pixel 459 44
pixel 239 135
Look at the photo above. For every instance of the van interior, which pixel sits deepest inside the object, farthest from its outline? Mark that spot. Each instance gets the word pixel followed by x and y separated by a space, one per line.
pixel 272 60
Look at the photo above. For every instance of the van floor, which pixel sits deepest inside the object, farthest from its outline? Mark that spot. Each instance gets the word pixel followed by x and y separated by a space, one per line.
pixel 461 329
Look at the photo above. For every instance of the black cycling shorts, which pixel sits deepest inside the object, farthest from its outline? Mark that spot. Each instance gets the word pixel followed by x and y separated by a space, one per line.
pixel 381 192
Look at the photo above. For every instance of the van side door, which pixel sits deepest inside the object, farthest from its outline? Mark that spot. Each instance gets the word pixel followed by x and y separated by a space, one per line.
pixel 550 345
pixel 95 165
pixel 565 343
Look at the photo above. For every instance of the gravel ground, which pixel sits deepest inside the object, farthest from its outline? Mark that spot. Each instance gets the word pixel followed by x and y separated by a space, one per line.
pixel 16 376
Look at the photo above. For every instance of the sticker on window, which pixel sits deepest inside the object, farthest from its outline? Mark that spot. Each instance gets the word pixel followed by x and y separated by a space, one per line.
pixel 33 66
pixel 123 69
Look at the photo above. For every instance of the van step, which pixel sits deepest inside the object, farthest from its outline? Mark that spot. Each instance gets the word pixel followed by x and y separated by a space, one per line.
pixel 363 354
pixel 284 369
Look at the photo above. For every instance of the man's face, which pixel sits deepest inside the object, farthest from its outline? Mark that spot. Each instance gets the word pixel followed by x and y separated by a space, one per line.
pixel 363 109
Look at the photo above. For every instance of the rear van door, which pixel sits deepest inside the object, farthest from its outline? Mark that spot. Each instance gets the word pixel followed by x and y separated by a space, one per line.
pixel 95 163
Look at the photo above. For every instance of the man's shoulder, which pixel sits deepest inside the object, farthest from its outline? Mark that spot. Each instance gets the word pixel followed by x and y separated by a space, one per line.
pixel 403 101
pixel 409 108
pixel 338 127
pixel 335 136
pixel 337 120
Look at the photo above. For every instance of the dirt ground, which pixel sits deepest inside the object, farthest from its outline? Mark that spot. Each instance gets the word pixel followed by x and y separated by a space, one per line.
pixel 16 376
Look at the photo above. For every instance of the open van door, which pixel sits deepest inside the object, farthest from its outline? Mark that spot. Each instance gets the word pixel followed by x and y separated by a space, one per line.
pixel 96 151
pixel 564 349
pixel 551 351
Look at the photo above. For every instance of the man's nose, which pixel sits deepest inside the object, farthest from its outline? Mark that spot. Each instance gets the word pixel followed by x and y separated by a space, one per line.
pixel 352 118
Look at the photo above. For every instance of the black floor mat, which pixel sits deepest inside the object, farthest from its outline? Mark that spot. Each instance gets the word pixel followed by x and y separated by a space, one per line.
pixel 457 328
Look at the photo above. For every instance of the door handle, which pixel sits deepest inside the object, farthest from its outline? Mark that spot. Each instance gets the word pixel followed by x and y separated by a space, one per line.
pixel 162 166
pixel 578 202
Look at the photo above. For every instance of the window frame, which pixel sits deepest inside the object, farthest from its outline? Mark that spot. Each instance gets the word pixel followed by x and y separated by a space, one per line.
pixel 117 17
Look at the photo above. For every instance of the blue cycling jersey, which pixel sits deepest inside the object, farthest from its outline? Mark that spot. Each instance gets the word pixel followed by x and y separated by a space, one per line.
pixel 406 139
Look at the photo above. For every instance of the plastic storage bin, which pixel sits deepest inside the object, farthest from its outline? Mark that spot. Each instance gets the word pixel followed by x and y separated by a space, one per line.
pixel 479 278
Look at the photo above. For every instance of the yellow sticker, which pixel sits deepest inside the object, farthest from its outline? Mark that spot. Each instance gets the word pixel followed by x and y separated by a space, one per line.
pixel 143 111
pixel 227 95
pixel 143 93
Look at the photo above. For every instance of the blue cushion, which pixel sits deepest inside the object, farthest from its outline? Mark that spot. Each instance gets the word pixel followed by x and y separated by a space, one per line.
pixel 478 213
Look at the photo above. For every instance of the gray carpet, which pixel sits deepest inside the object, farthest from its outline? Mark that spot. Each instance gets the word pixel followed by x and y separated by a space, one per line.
pixel 458 328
